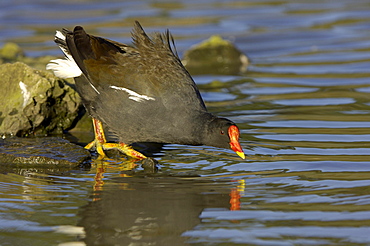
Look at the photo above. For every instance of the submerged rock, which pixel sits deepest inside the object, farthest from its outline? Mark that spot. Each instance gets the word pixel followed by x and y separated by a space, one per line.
pixel 35 102
pixel 215 56
pixel 41 151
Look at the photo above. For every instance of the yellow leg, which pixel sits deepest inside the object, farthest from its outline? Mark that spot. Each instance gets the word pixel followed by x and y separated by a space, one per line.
pixel 100 143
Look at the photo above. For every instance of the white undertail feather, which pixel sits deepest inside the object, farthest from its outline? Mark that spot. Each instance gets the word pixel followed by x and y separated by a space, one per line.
pixel 60 35
pixel 133 95
pixel 64 68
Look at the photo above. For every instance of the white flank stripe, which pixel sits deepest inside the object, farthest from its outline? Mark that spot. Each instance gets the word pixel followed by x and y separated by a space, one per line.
pixel 96 90
pixel 133 95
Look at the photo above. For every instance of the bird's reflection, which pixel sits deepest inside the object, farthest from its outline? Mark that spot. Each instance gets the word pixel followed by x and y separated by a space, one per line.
pixel 149 210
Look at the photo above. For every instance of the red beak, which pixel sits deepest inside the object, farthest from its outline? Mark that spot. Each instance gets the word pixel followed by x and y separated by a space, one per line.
pixel 234 141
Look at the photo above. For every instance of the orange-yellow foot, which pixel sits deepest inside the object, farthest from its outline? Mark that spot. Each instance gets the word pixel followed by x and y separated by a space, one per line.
pixel 125 149
pixel 100 143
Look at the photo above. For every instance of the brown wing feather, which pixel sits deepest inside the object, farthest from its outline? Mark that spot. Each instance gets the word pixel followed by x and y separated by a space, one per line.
pixel 150 67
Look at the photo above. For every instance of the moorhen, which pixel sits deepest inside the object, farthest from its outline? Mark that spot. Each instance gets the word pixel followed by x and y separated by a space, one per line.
pixel 142 93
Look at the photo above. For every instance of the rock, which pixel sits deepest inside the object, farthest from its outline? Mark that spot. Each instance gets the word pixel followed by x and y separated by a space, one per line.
pixel 83 131
pixel 215 56
pixel 35 102
pixel 41 151
pixel 150 165
pixel 11 52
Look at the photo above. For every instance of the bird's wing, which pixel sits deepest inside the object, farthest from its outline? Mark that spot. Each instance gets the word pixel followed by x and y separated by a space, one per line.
pixel 149 70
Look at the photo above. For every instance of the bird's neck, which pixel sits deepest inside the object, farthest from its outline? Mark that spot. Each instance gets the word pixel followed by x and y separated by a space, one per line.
pixel 202 125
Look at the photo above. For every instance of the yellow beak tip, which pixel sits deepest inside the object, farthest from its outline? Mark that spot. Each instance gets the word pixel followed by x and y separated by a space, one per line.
pixel 241 154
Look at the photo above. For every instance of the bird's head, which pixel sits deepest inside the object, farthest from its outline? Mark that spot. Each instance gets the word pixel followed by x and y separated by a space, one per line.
pixel 224 133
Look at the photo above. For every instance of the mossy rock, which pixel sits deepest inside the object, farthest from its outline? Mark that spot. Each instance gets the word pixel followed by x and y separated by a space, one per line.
pixel 215 56
pixel 35 102
pixel 11 52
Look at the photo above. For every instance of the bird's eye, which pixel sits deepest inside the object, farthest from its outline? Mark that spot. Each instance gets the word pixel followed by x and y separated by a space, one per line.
pixel 222 132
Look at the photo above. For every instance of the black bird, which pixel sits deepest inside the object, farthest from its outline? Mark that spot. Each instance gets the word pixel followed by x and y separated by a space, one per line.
pixel 142 92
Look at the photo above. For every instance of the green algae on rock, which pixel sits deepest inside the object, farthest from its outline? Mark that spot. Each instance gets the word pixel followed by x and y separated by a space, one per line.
pixel 215 56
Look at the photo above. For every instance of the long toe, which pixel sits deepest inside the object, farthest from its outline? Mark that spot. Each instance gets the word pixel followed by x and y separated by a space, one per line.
pixel 125 149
